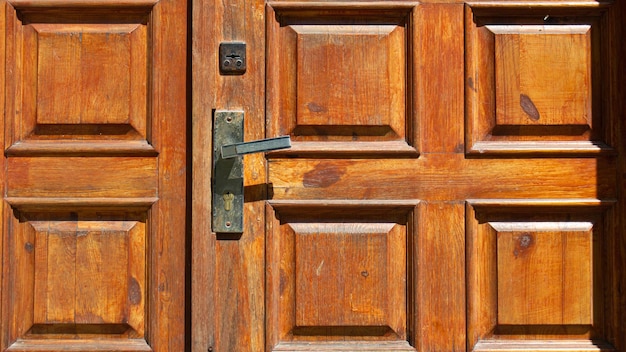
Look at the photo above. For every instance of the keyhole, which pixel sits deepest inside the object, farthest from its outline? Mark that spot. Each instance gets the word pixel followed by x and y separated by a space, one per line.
pixel 228 201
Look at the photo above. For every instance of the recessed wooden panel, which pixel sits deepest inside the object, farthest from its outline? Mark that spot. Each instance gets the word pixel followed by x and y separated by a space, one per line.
pixel 341 82
pixel 101 61
pixel 535 270
pixel 79 273
pixel 340 273
pixel 534 82
pixel 545 276
pixel 350 75
pixel 95 69
pixel 555 92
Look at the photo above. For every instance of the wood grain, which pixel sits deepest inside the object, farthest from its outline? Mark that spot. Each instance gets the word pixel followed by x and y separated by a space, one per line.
pixel 228 284
pixel 442 177
pixel 94 217
pixel 498 132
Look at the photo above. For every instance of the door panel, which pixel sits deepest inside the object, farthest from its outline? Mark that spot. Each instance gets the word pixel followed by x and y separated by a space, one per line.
pixel 334 268
pixel 454 182
pixel 94 176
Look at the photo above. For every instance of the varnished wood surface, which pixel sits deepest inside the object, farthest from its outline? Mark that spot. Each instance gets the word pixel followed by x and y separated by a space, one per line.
pixel 94 212
pixel 442 177
pixel 491 173
pixel 228 278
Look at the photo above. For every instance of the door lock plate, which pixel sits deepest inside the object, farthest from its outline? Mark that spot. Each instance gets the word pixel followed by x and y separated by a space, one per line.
pixel 227 174
pixel 228 151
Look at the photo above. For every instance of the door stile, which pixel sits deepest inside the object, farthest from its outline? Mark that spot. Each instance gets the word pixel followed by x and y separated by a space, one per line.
pixel 617 111
pixel 3 207
pixel 228 279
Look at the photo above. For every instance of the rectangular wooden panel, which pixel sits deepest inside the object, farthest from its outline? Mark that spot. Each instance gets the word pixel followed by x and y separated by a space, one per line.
pixel 90 177
pixel 557 92
pixel 535 81
pixel 87 273
pixel 94 67
pixel 341 274
pixel 336 277
pixel 545 277
pixel 100 58
pixel 536 271
pixel 342 81
pixel 351 75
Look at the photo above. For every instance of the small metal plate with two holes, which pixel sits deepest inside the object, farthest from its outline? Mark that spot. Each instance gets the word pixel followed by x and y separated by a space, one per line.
pixel 232 58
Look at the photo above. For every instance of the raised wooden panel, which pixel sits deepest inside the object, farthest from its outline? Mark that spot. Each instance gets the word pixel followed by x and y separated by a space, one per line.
pixel 83 273
pixel 515 105
pixel 94 63
pixel 557 92
pixel 100 58
pixel 342 276
pixel 350 75
pixel 536 271
pixel 547 271
pixel 77 275
pixel 341 80
pixel 339 273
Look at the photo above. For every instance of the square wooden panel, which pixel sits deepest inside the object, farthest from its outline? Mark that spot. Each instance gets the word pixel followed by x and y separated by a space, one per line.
pixel 350 75
pixel 543 75
pixel 340 82
pixel 317 294
pixel 82 271
pixel 535 270
pixel 547 272
pixel 94 66
pixel 534 82
pixel 78 274
pixel 84 82
pixel 334 291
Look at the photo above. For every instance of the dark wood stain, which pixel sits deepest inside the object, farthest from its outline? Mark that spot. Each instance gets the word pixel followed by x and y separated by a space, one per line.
pixel 529 107
pixel 134 292
pixel 323 176
pixel 314 107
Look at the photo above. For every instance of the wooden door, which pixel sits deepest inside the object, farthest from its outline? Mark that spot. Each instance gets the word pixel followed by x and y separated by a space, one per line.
pixel 93 175
pixel 455 181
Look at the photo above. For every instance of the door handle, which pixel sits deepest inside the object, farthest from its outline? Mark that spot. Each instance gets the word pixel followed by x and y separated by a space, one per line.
pixel 228 151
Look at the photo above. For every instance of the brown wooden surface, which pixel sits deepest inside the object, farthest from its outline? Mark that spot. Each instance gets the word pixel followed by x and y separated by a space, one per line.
pixel 229 275
pixel 94 212
pixel 484 135
pixel 455 181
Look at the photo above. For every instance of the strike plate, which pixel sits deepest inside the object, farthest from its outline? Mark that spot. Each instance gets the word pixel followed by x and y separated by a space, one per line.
pixel 227 174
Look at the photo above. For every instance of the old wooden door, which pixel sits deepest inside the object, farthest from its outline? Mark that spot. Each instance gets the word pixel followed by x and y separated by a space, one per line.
pixel 455 181
pixel 93 175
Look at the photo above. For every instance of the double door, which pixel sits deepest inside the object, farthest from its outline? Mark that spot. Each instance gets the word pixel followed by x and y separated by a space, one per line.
pixel 455 180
